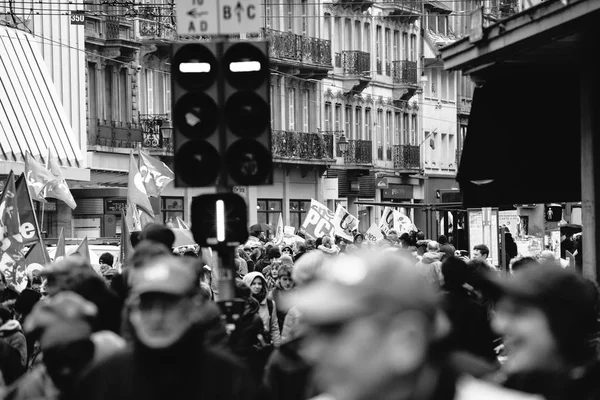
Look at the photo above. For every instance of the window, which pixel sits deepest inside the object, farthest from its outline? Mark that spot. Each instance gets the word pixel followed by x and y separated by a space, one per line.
pixel 380 143
pixel 171 208
pixel 328 127
pixel 396 45
pixel 397 132
pixel 405 126
pixel 451 86
pixel 327 27
pixel 272 105
pixel 348 121
pixel 150 91
pixel 434 79
pixel 378 48
pixel 305 99
pixel 167 99
pixel 388 132
pixel 357 35
pixel 444 85
pixel 291 109
pixel 338 34
pixel 388 51
pixel 123 102
pixel 444 157
pixel 92 90
pixel 304 18
pixel 367 37
pixel 290 15
pixel 268 14
pixel 442 24
pixel 368 124
pixel 268 211
pixel 338 117
pixel 358 123
pixel 347 36
pixel 413 129
pixel 405 52
pixel 109 93
pixel 431 21
pixel 298 210
pixel 413 47
pixel 451 151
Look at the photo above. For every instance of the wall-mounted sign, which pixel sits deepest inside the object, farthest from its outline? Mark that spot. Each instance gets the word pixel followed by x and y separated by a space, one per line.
pixel 381 183
pixel 330 188
pixel 77 17
pixel 114 206
pixel 397 192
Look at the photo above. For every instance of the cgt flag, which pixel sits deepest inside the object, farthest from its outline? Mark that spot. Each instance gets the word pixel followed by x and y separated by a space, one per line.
pixel 10 227
pixel 136 191
pixel 59 189
pixel 84 250
pixel 155 174
pixel 28 227
pixel 38 177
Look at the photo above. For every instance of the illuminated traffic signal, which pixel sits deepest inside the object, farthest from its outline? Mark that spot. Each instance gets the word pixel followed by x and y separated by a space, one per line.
pixel 219 220
pixel 247 113
pixel 195 74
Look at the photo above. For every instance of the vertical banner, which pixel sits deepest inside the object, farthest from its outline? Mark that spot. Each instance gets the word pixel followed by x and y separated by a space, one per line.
pixel 319 221
pixel 345 223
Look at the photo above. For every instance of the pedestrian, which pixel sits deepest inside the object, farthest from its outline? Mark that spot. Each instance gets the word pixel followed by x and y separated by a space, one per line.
pixel 270 255
pixel 267 308
pixel 12 332
pixel 430 265
pixel 284 284
pixel 547 316
pixel 166 358
pixel 372 327
pixel 359 238
pixel 328 247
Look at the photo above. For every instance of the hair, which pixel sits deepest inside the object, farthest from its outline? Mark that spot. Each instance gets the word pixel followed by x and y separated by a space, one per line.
pixel 447 250
pixel 522 262
pixel 433 246
pixel 107 258
pixel 5 314
pixel 145 251
pixel 159 233
pixel 285 269
pixel 318 242
pixel 420 235
pixel 476 270
pixel 483 249
pixel 135 237
pixel 442 239
pixel 263 291
pixel 455 273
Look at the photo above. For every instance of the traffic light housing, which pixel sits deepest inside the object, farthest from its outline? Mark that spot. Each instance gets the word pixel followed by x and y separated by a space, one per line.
pixel 221 113
pixel 219 220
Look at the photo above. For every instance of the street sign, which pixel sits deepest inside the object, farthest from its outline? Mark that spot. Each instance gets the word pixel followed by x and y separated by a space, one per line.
pixel 218 17
pixel 240 16
pixel 197 17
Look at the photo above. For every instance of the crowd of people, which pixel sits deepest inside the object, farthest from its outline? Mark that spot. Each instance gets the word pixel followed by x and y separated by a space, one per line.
pixel 401 318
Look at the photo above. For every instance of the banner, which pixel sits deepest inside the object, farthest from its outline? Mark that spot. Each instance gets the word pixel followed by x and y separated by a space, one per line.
pixel 27 219
pixel 373 234
pixel 386 222
pixel 59 189
pixel 402 224
pixel 278 239
pixel 136 190
pixel 155 174
pixel 345 223
pixel 37 177
pixel 319 221
pixel 10 231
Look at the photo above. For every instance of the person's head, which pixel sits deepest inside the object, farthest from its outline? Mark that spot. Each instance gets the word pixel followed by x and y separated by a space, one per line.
pixel 146 251
pixel 433 246
pixel 358 239
pixel 455 272
pixel 405 240
pixel 546 316
pixel 326 241
pixel 107 258
pixel 442 240
pixel 287 250
pixel 420 235
pixel 5 315
pixel 159 233
pixel 371 319
pixel 62 272
pixel 286 259
pixel 257 284
pixel 63 325
pixel 547 256
pixel 248 250
pixel 392 236
pixel 135 237
pixel 284 277
pixel 447 250
pixel 481 252
pixel 164 302
pixel 477 271
pixel 522 262
pixel 272 254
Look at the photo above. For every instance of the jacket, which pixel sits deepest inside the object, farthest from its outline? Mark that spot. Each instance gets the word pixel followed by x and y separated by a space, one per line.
pixel 430 267
pixel 12 332
pixel 269 318
pixel 290 325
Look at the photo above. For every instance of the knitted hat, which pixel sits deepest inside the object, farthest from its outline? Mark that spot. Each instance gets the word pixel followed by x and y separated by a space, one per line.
pixel 274 253
pixel 286 260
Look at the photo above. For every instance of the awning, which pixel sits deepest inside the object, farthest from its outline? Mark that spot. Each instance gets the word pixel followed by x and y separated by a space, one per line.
pixel 104 179
pixel 32 117
pixel 523 140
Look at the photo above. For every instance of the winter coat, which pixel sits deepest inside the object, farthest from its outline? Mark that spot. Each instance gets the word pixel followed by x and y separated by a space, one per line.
pixel 244 341
pixel 281 310
pixel 430 267
pixel 269 319
pixel 12 332
pixel 10 362
pixel 290 325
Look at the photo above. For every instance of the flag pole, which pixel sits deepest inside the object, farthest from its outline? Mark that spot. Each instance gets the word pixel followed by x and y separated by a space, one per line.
pixel 37 225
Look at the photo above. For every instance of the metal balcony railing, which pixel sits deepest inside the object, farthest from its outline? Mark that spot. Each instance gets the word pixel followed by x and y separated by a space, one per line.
pixel 302 146
pixel 404 72
pixel 359 152
pixel 355 62
pixel 406 157
pixel 152 135
pixel 464 105
pixel 156 23
pixel 300 48
pixel 113 133
pixel 413 6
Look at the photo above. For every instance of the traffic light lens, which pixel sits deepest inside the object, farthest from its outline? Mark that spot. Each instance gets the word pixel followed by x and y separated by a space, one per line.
pixel 247 114
pixel 248 161
pixel 246 66
pixel 196 115
pixel 197 67
pixel 197 163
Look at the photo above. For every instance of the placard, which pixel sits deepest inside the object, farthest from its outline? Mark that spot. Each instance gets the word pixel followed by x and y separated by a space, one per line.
pixel 319 221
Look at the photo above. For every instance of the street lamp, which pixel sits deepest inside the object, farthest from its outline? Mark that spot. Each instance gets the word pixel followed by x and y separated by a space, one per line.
pixel 166 130
pixel 342 144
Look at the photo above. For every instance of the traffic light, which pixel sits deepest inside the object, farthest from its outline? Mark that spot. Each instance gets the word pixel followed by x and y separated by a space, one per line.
pixel 247 113
pixel 221 113
pixel 553 212
pixel 195 71
pixel 219 220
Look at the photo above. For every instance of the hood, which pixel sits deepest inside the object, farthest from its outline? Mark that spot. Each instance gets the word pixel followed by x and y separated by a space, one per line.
pixel 250 276
pixel 10 326
pixel 430 257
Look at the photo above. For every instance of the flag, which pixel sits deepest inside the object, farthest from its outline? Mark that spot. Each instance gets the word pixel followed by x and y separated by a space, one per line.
pixel 60 246
pixel 133 218
pixel 84 250
pixel 29 227
pixel 59 189
pixel 38 177
pixel 126 249
pixel 181 224
pixel 37 254
pixel 345 223
pixel 155 174
pixel 136 191
pixel 10 226
pixel 279 231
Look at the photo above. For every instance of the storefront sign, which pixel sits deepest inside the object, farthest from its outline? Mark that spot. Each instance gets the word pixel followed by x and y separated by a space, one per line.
pixel 397 192
pixel 114 206
pixel 330 188
pixel 381 183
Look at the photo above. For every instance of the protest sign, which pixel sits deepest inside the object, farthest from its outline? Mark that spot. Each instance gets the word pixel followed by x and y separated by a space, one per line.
pixel 373 234
pixel 319 221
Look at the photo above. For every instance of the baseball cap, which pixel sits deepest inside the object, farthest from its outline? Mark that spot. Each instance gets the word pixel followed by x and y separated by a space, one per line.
pixel 167 274
pixel 360 284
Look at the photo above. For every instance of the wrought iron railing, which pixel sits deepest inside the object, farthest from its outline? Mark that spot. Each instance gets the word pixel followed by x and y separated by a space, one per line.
pixel 152 135
pixel 464 105
pixel 359 152
pixel 407 157
pixel 405 72
pixel 406 5
pixel 302 145
pixel 118 28
pixel 355 62
pixel 156 23
pixel 113 133
pixel 304 49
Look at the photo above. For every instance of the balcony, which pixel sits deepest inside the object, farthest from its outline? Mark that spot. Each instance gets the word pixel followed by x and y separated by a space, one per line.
pixel 402 10
pixel 116 134
pixel 152 136
pixel 155 25
pixel 111 36
pixel 464 105
pixel 359 152
pixel 309 55
pixel 356 68
pixel 404 77
pixel 302 147
pixel 406 157
pixel 360 5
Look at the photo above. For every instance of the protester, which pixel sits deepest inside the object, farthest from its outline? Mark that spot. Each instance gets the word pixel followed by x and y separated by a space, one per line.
pixel 272 254
pixel 12 332
pixel 328 247
pixel 167 358
pixel 267 310
pixel 430 266
pixel 284 284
